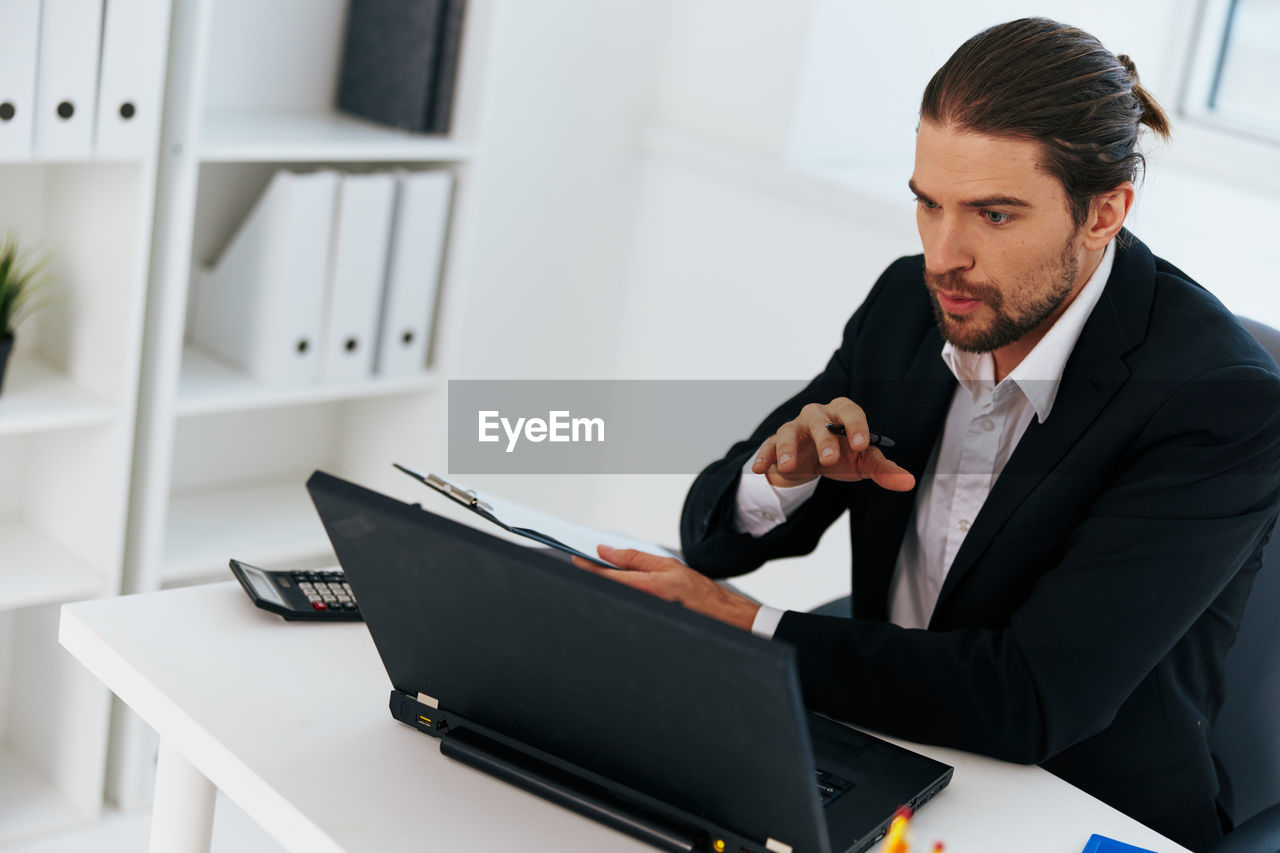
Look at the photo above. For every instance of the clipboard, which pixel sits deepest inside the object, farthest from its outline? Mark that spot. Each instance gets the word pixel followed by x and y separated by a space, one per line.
pixel 471 501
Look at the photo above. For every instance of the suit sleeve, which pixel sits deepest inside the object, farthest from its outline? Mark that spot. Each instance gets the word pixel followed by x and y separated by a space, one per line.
pixel 708 539
pixel 1192 504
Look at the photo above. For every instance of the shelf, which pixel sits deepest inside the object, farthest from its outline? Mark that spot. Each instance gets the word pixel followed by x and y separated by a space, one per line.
pixel 318 138
pixel 29 804
pixel 35 570
pixel 271 524
pixel 208 386
pixel 37 398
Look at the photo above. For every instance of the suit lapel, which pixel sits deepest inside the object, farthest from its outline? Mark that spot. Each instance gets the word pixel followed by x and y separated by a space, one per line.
pixel 1094 373
pixel 913 413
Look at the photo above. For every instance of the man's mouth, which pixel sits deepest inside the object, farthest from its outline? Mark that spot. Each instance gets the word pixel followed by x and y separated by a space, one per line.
pixel 957 303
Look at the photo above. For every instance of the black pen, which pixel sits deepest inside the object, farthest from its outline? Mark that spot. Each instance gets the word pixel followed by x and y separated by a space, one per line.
pixel 876 440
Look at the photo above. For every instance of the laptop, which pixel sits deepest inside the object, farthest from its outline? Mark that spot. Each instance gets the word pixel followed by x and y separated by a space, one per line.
pixel 660 722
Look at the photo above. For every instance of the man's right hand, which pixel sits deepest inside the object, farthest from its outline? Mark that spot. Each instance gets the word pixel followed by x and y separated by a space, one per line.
pixel 803 449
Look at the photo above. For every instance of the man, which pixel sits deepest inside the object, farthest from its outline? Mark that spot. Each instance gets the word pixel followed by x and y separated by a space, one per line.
pixel 1053 565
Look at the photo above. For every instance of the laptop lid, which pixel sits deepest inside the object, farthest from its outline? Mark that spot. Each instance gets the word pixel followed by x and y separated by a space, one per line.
pixel 658 699
pixel 663 700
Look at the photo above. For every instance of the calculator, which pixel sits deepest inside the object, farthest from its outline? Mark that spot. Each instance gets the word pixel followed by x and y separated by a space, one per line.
pixel 322 595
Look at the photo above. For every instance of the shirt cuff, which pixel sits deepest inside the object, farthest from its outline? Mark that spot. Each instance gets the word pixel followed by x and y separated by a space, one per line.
pixel 766 623
pixel 762 506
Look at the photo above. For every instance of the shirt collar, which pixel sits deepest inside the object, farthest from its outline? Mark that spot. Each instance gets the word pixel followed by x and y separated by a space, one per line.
pixel 1039 374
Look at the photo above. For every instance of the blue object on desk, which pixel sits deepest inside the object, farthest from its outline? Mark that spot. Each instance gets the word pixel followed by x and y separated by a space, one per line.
pixel 1102 844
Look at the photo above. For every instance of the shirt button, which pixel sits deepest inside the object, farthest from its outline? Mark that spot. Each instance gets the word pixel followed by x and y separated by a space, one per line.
pixel 988 424
pixel 770 517
pixel 963 525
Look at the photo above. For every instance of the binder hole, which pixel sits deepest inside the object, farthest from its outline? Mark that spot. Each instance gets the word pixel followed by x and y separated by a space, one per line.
pixel 407 338
pixel 66 109
pixel 6 111
pixel 303 346
pixel 127 110
pixel 351 345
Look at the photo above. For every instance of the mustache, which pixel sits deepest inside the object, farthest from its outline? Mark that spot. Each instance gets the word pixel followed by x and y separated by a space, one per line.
pixel 955 286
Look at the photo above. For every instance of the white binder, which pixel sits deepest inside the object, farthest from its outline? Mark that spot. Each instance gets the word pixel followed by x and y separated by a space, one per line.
pixel 358 264
pixel 261 307
pixel 67 81
pixel 135 37
pixel 19 39
pixel 413 271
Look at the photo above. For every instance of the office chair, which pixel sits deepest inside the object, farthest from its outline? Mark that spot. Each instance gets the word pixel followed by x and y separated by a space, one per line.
pixel 1246 735
pixel 1246 739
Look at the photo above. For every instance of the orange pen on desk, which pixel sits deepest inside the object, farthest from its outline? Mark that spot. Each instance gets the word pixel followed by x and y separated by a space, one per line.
pixel 895 840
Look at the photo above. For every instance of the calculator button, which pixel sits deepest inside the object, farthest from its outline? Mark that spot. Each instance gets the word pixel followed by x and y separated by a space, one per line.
pixel 349 605
pixel 319 605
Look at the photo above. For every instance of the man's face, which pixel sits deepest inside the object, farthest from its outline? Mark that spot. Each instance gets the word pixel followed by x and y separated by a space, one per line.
pixel 1001 253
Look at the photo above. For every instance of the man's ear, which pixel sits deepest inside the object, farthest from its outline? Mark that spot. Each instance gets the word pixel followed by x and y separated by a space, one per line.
pixel 1107 214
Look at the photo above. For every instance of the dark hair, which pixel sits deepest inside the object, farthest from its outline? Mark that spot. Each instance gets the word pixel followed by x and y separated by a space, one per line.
pixel 1041 80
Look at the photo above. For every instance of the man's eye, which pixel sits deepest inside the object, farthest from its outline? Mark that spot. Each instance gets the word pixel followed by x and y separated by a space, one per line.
pixel 995 217
pixel 928 205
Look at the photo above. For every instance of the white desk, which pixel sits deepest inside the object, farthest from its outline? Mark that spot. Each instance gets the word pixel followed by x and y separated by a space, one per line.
pixel 290 721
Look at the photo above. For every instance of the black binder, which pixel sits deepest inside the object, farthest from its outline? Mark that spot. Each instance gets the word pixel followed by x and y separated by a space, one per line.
pixel 399 62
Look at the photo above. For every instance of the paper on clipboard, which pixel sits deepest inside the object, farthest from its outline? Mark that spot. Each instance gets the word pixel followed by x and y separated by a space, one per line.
pixel 538 528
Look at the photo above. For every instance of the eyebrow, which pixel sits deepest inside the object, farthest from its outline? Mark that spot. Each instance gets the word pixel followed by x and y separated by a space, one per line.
pixel 989 201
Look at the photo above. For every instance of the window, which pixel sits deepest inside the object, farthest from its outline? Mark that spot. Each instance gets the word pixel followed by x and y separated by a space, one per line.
pixel 1233 78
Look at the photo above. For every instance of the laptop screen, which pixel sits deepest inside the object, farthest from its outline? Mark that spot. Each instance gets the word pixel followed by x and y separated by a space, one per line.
pixel 655 697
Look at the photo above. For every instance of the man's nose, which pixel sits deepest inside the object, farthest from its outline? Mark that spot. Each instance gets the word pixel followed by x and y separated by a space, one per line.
pixel 948 251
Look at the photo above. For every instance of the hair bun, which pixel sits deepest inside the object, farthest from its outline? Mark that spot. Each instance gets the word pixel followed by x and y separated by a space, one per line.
pixel 1128 65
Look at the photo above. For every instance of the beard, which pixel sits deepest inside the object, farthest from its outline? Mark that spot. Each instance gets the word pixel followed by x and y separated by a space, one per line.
pixel 1047 286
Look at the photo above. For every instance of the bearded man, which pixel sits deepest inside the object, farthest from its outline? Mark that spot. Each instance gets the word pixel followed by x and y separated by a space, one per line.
pixel 1050 562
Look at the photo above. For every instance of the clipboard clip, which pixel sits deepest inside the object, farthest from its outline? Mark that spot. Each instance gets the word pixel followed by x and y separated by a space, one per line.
pixel 462 496
pixel 466 497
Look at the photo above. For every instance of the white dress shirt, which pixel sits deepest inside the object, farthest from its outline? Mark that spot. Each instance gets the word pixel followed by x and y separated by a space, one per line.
pixel 984 424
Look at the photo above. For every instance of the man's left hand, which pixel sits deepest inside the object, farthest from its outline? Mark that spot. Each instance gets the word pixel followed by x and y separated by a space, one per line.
pixel 672 580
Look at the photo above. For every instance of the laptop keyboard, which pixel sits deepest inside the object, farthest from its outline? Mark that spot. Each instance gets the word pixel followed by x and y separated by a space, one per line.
pixel 830 787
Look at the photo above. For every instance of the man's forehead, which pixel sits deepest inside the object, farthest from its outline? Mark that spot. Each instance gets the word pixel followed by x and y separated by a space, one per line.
pixel 962 163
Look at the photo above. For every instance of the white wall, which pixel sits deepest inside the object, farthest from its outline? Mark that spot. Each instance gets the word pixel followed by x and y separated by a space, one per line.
pixel 730 71
pixel 568 94
pixel 867 64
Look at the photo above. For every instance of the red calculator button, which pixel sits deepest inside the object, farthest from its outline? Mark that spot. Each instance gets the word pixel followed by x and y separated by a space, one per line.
pixel 319 605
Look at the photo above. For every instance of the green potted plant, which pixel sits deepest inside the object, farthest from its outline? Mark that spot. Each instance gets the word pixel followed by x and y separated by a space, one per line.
pixel 20 277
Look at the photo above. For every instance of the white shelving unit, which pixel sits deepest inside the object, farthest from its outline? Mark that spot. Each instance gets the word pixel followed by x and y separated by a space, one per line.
pixel 221 459
pixel 67 419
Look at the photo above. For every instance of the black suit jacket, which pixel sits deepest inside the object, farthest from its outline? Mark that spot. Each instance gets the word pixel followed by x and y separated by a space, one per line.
pixel 1084 622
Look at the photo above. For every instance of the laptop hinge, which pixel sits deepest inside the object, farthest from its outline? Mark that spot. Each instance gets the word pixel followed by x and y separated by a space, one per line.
pixel 570 790
pixel 777 846
pixel 429 701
